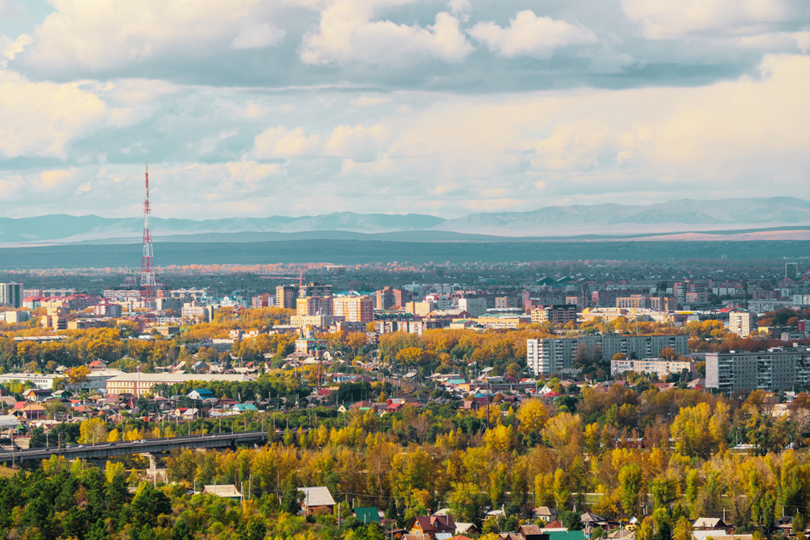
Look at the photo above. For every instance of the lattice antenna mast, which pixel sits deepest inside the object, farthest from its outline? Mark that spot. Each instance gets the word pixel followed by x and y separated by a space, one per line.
pixel 148 284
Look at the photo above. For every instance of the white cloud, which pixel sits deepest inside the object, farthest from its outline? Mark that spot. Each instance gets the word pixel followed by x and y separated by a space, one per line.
pixel 10 49
pixel 459 8
pixel 670 19
pixel 278 142
pixel 258 37
pixel 103 34
pixel 40 118
pixel 51 179
pixel 530 35
pixel 358 142
pixel 368 101
pixel 346 33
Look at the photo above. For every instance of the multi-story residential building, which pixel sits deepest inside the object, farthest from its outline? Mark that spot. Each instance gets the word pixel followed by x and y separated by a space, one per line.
pixel 107 309
pixel 314 288
pixel 262 301
pixel 12 317
pixel 440 301
pixel 642 346
pixel 773 370
pixel 741 323
pixel 11 294
pixel 792 270
pixel 314 305
pixel 420 309
pixel 55 318
pixel 558 314
pixel 472 305
pixel 547 356
pixel 353 308
pixel 645 301
pixel 286 296
pixel 504 302
pixel 658 366
pixel 389 297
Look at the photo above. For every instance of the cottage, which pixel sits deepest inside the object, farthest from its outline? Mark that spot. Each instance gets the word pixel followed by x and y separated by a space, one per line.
pixel 706 523
pixel 433 525
pixel 316 499
pixel 227 491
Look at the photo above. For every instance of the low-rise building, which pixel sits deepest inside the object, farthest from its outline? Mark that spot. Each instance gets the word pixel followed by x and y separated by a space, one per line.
pixel 141 384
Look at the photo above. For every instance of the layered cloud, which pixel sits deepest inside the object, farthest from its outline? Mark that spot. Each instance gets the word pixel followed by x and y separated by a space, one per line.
pixel 446 107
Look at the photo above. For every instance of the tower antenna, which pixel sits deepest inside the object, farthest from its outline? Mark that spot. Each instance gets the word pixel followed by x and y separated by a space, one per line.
pixel 148 284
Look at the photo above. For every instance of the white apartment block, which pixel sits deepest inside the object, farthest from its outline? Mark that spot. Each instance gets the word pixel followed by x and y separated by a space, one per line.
pixel 773 370
pixel 741 323
pixel 660 367
pixel 548 356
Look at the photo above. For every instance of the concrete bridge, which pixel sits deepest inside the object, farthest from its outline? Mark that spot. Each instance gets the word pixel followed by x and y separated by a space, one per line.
pixel 144 446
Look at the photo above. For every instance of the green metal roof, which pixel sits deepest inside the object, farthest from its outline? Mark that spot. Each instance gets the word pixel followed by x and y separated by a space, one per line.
pixel 367 514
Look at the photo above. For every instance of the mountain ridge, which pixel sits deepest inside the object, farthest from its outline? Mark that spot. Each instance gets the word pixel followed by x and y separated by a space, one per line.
pixel 672 217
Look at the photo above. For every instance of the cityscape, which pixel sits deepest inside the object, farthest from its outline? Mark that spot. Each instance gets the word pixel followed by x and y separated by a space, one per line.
pixel 404 270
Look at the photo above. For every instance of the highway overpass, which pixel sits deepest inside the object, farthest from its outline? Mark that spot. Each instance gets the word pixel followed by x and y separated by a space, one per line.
pixel 145 446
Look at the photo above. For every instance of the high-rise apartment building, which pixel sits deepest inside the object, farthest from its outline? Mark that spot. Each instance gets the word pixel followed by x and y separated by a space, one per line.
pixel 11 294
pixel 741 323
pixel 354 308
pixel 792 270
pixel 773 370
pixel 389 297
pixel 314 288
pixel 314 305
pixel 286 296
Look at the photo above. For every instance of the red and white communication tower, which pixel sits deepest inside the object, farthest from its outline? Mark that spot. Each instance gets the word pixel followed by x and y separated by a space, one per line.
pixel 148 283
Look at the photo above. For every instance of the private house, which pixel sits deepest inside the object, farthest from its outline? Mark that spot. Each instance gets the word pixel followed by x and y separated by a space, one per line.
pixel 532 532
pixel 707 524
pixel 316 499
pixel 37 394
pixel 200 394
pixel 227 491
pixel 433 526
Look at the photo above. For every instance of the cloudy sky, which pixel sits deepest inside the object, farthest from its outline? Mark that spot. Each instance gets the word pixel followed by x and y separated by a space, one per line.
pixel 302 107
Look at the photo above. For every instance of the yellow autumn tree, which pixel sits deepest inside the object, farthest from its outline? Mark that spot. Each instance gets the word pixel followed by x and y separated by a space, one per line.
pixel 93 431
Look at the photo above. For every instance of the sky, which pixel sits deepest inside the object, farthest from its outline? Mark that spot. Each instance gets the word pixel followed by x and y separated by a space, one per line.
pixel 305 107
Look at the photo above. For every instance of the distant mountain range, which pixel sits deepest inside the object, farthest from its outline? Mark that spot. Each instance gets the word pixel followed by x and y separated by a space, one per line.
pixel 780 216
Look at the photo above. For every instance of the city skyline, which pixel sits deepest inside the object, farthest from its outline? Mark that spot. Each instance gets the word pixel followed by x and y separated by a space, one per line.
pixel 306 107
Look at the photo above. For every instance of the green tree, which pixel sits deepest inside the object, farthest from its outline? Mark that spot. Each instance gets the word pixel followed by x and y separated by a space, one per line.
pixel 630 483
